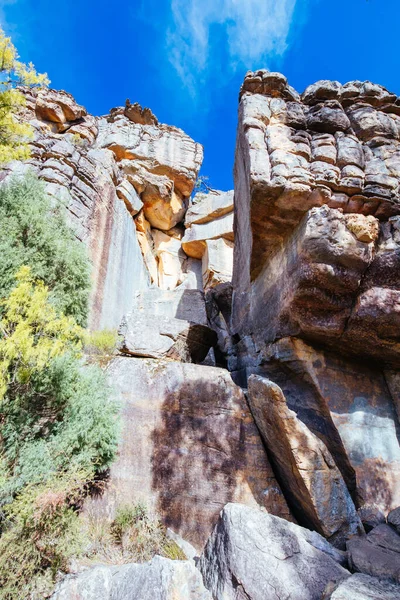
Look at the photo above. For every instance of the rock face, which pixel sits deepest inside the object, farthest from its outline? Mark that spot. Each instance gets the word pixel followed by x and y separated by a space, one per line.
pixel 292 282
pixel 254 555
pixel 126 180
pixel 304 464
pixel 159 579
pixel 209 235
pixel 377 554
pixel 347 406
pixel 168 324
pixel 189 446
pixel 364 587
pixel 298 153
pixel 394 519
pixel 316 282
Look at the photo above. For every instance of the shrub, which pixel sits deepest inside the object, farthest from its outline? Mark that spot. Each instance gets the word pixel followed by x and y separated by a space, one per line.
pixel 35 233
pixel 100 346
pixel 59 430
pixel 14 133
pixel 135 535
pixel 41 534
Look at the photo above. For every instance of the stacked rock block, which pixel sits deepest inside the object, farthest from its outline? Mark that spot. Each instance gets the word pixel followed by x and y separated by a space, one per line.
pixel 316 290
pixel 126 180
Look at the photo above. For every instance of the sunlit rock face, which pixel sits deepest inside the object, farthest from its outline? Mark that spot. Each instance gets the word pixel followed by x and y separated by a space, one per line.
pixel 123 177
pixel 316 279
pixel 334 145
pixel 127 181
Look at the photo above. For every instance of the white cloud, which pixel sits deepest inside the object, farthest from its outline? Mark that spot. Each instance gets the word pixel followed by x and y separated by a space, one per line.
pixel 255 30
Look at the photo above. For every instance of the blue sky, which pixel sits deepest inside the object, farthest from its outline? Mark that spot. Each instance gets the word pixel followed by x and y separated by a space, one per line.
pixel 185 59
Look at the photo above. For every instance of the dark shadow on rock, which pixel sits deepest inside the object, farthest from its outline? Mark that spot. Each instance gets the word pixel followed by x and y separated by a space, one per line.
pixel 205 450
pixel 198 452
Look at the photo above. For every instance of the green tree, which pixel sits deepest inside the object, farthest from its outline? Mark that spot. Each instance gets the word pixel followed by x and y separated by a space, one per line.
pixel 14 134
pixel 31 334
pixel 59 429
pixel 35 233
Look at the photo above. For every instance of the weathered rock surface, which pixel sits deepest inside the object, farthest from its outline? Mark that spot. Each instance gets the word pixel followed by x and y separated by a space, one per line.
pixel 168 324
pixel 377 554
pixel 208 207
pixel 217 262
pixel 108 170
pixel 335 145
pixel 364 587
pixel 189 446
pixel 371 516
pixel 294 152
pixel 159 579
pixel 393 518
pixel 308 474
pixel 194 240
pixel 346 405
pixel 254 555
pixel 161 150
pixel 320 286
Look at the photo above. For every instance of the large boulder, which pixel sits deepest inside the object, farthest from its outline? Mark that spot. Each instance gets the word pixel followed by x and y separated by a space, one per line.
pixel 208 207
pixel 189 445
pixel 254 555
pixel 393 518
pixel 159 579
pixel 363 587
pixel 168 324
pixel 306 469
pixel 377 554
pixel 347 405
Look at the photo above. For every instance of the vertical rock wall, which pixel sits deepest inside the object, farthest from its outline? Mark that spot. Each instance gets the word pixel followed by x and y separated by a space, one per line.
pixel 316 282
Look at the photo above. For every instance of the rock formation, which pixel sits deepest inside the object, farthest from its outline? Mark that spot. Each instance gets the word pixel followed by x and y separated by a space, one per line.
pixel 159 579
pixel 255 555
pixel 259 336
pixel 315 278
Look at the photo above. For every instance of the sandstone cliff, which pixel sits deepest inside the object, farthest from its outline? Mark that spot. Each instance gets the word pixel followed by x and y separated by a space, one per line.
pixel 316 280
pixel 260 331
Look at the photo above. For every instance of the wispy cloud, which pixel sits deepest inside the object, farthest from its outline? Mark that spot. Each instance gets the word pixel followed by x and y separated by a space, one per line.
pixel 256 30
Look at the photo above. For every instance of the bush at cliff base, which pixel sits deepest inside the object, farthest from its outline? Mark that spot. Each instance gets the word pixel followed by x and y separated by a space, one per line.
pixel 59 430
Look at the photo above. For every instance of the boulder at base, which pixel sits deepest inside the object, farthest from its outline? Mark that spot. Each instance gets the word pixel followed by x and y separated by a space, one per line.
pixel 159 579
pixel 364 587
pixel 377 554
pixel 254 555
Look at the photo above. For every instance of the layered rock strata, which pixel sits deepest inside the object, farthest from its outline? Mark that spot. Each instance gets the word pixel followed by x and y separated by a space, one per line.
pixel 126 181
pixel 316 286
pixel 308 322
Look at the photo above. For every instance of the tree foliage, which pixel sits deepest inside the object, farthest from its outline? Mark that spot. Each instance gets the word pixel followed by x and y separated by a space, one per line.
pixel 59 425
pixel 34 232
pixel 32 334
pixel 14 133
pixel 59 429
pixel 56 414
